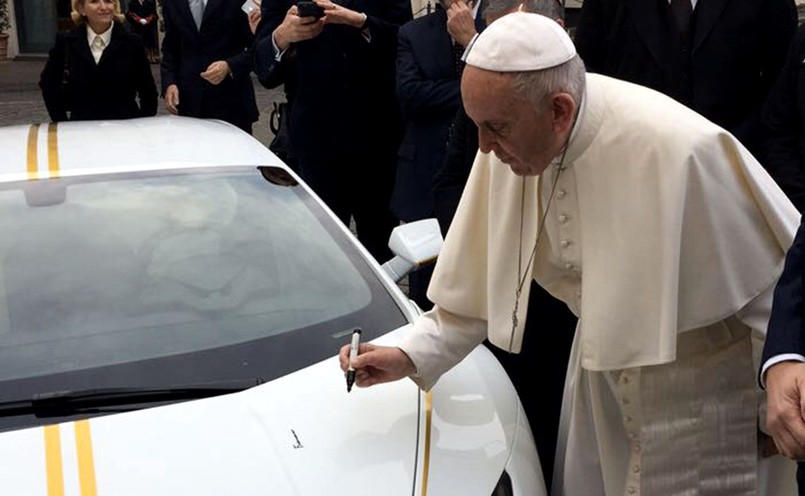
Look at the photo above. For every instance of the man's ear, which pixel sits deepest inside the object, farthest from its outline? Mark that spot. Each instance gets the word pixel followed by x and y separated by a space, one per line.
pixel 564 110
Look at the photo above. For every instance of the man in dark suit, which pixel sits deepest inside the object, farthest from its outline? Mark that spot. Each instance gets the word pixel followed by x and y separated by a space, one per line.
pixel 206 61
pixel 428 76
pixel 784 122
pixel 345 125
pixel 718 57
pixel 783 365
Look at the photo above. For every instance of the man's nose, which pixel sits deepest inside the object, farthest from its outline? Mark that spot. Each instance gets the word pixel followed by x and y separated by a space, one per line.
pixel 485 142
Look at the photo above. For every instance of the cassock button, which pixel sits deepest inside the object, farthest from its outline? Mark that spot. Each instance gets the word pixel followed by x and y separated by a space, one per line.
pixel 569 266
pixel 632 435
pixel 561 194
pixel 564 243
pixel 636 469
pixel 563 218
pixel 632 490
pixel 637 448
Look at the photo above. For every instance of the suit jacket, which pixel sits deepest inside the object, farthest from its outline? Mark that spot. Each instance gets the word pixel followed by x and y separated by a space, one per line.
pixel 428 92
pixel 723 68
pixel 452 174
pixel 187 51
pixel 106 90
pixel 786 331
pixel 784 121
pixel 344 102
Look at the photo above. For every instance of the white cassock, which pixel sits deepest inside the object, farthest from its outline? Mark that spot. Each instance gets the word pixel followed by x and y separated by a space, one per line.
pixel 666 237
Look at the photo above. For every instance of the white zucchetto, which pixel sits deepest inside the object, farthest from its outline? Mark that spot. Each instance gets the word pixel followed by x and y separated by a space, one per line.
pixel 520 42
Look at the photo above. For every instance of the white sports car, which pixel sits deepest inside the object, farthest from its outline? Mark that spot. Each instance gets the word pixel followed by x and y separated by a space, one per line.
pixel 172 300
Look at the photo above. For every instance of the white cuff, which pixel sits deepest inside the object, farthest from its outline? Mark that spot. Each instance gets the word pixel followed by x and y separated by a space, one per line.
pixel 785 357
pixel 277 53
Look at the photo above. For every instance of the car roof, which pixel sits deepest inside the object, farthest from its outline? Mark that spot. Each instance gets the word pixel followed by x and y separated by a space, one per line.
pixel 39 151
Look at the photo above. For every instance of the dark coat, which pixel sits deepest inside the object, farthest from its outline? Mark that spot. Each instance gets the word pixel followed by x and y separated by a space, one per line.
pixel 344 100
pixel 452 174
pixel 188 51
pixel 106 90
pixel 786 331
pixel 723 68
pixel 784 122
pixel 428 92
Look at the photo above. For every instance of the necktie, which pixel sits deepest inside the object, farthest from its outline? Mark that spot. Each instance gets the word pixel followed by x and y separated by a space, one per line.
pixel 682 10
pixel 98 43
pixel 197 10
pixel 458 64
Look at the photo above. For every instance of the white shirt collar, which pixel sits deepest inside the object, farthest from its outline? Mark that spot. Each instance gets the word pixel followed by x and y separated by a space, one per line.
pixel 105 36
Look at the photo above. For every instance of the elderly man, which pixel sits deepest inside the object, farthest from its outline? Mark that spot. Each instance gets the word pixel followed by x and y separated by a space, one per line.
pixel 664 235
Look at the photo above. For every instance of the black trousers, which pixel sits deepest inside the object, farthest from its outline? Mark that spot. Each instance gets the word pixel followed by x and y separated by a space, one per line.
pixel 801 478
pixel 358 185
pixel 538 371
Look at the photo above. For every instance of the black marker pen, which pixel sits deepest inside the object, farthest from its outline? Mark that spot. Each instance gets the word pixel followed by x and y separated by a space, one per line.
pixel 353 354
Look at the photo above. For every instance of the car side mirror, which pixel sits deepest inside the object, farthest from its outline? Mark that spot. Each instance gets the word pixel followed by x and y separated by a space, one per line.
pixel 414 245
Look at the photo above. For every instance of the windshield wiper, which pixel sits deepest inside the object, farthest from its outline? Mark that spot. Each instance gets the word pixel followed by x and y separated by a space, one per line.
pixel 66 403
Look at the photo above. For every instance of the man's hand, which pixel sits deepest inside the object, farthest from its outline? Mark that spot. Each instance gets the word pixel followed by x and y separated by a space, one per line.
pixel 172 99
pixel 460 22
pixel 336 14
pixel 295 28
pixel 216 72
pixel 785 420
pixel 254 19
pixel 377 364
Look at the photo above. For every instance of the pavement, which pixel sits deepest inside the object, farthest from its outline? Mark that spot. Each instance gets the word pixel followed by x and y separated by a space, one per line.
pixel 21 101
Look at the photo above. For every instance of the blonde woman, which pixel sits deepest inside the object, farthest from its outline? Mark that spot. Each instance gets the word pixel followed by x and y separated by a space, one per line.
pixel 98 70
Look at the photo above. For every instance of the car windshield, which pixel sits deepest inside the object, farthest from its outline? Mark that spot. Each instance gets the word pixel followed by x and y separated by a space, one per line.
pixel 164 278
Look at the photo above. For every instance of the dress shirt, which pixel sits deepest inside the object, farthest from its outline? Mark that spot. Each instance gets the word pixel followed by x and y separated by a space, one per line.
pixel 98 42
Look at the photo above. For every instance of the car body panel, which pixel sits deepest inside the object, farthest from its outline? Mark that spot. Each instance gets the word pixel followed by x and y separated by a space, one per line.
pixel 300 434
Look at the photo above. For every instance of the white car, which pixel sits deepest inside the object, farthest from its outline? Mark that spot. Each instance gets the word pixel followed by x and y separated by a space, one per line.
pixel 172 301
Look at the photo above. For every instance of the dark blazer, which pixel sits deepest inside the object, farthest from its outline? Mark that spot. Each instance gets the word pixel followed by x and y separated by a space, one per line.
pixel 188 51
pixel 106 90
pixel 452 174
pixel 344 99
pixel 786 331
pixel 428 92
pixel 784 122
pixel 723 68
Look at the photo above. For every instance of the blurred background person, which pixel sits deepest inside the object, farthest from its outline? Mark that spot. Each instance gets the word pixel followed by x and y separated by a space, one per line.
pixel 429 69
pixel 98 70
pixel 142 17
pixel 718 57
pixel 207 62
pixel 345 123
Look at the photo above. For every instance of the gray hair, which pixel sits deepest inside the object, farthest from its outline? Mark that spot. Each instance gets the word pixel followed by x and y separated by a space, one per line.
pixel 549 8
pixel 535 86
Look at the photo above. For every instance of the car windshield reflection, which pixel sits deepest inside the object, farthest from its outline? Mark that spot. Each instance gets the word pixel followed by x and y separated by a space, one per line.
pixel 128 268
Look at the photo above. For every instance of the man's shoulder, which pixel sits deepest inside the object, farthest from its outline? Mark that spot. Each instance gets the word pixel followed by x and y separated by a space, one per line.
pixel 435 21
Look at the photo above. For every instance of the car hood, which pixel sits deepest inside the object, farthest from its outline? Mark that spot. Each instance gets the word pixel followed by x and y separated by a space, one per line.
pixel 301 434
